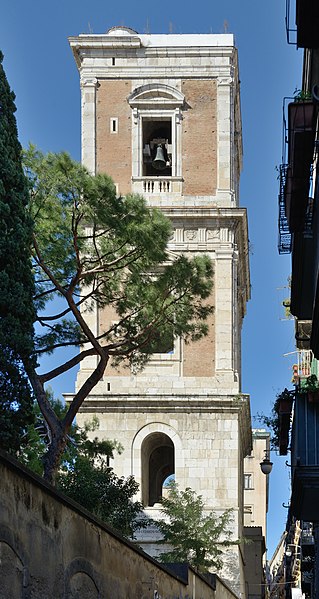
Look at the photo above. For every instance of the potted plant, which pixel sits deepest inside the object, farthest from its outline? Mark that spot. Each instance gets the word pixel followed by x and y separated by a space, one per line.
pixel 301 112
pixel 311 387
pixel 284 401
pixel 279 421
pixel 301 95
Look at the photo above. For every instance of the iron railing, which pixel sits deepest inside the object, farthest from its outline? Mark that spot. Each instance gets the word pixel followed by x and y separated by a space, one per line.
pixel 284 240
pixel 291 32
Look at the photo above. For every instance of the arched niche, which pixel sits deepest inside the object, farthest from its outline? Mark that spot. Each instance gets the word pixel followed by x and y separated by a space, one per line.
pixel 81 586
pixel 81 580
pixel 11 573
pixel 159 438
pixel 158 462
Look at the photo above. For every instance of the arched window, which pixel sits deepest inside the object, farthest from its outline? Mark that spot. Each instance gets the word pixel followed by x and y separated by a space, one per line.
pixel 157 113
pixel 158 463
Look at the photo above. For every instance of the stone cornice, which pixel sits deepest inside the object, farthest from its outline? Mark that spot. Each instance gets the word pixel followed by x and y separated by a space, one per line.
pixel 148 71
pixel 158 44
pixel 197 212
pixel 233 218
pixel 168 403
pixel 106 46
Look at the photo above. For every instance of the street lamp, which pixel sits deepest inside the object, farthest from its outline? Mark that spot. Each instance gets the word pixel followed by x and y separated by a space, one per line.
pixel 266 465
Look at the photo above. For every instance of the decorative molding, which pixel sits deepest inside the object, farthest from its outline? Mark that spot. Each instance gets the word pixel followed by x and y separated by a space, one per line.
pixel 156 94
pixel 191 234
pixel 212 234
pixel 135 116
pixel 225 80
pixel 89 82
pixel 178 116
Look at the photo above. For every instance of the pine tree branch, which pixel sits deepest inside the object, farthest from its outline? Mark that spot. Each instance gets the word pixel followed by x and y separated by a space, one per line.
pixel 48 376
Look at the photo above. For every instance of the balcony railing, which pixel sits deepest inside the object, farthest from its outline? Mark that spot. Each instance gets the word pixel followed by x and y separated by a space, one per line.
pixel 307 537
pixel 302 23
pixel 306 365
pixel 307 21
pixel 301 141
pixel 291 30
pixel 151 185
pixel 284 241
pixel 157 185
pixel 295 174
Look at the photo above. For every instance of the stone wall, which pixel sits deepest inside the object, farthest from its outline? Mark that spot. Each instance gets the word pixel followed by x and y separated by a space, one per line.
pixel 254 551
pixel 51 548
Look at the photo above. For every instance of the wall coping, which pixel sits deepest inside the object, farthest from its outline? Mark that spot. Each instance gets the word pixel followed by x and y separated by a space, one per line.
pixel 13 464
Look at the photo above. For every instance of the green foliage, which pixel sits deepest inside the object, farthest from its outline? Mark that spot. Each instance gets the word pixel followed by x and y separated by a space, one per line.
pixel 273 421
pixel 195 538
pixel 287 302
pixel 85 474
pixel 16 280
pixel 78 440
pixel 92 249
pixel 310 384
pixel 16 412
pixel 94 484
pixel 301 95
pixel 113 250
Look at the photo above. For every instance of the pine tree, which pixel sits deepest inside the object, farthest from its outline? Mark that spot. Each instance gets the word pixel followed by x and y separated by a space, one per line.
pixel 92 248
pixel 16 280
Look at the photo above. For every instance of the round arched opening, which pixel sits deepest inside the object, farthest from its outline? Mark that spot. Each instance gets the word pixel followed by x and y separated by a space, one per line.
pixel 158 463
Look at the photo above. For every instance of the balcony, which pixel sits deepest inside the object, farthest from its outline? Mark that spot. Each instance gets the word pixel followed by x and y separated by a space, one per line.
pixel 284 412
pixel 305 366
pixel 307 21
pixel 307 537
pixel 303 334
pixel 305 460
pixel 302 23
pixel 305 493
pixel 284 239
pixel 301 141
pixel 157 186
pixel 296 171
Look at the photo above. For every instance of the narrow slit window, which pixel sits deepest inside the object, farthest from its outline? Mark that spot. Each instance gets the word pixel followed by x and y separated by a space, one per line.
pixel 113 61
pixel 114 125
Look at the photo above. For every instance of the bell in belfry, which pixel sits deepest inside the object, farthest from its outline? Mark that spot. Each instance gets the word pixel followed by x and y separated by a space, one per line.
pixel 159 161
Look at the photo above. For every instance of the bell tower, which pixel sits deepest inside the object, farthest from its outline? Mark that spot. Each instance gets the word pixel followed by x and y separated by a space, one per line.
pixel 161 115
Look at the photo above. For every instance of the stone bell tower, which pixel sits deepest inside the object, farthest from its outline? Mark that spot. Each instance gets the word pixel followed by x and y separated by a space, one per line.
pixel 161 115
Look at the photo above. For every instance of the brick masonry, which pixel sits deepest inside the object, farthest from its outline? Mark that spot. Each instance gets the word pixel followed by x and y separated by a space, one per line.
pixel 199 156
pixel 114 150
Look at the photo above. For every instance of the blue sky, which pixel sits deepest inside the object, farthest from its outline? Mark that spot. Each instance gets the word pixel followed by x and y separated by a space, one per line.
pixel 41 71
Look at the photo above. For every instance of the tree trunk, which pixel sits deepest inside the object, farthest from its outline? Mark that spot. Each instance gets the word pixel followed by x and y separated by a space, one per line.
pixel 57 430
pixel 52 458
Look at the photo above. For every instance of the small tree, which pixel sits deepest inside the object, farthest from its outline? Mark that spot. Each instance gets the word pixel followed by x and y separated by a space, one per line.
pixel 94 484
pixel 85 474
pixel 194 537
pixel 96 251
pixel 16 279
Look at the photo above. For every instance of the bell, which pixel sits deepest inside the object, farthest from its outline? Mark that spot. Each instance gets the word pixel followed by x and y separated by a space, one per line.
pixel 159 161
